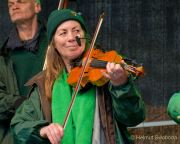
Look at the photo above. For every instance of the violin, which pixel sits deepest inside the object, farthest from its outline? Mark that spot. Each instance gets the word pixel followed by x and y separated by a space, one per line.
pixel 97 64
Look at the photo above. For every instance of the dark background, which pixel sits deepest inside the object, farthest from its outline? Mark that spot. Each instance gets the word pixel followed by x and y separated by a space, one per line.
pixel 145 30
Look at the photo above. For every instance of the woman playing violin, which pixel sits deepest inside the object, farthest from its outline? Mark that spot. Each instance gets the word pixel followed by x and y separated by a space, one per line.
pixel 100 114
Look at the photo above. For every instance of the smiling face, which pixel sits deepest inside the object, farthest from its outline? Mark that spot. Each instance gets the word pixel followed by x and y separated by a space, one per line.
pixel 23 10
pixel 65 41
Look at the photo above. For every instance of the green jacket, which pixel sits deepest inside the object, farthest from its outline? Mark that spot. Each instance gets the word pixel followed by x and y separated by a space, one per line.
pixel 120 107
pixel 173 108
pixel 10 97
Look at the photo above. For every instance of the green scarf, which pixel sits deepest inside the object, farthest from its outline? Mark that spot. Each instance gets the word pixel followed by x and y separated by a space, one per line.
pixel 79 126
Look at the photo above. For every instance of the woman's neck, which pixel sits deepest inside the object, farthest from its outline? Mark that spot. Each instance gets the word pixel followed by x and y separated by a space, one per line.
pixel 68 66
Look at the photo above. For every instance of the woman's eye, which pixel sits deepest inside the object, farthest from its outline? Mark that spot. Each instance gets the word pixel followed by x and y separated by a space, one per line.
pixel 62 34
pixel 76 31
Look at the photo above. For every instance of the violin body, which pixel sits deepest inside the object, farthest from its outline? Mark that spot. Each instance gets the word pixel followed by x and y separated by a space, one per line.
pixel 96 65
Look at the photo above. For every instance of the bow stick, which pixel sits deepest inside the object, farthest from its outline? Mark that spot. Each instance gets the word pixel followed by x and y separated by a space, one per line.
pixel 62 4
pixel 83 69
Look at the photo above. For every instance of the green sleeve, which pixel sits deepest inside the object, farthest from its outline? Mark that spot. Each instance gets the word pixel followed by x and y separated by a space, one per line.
pixel 28 121
pixel 7 103
pixel 9 95
pixel 173 107
pixel 128 106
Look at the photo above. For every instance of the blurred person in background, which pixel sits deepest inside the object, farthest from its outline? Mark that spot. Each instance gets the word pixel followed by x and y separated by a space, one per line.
pixel 22 56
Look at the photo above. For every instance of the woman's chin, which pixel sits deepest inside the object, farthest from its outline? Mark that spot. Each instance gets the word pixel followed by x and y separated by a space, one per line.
pixel 73 56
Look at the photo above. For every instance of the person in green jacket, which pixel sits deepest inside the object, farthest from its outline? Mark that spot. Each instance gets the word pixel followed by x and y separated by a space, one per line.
pixel 21 57
pixel 100 114
pixel 173 107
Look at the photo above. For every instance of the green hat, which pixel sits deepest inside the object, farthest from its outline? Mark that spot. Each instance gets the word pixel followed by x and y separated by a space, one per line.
pixel 174 107
pixel 57 17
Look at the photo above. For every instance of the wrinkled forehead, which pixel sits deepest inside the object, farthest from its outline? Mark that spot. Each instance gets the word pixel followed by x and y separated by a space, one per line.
pixel 23 1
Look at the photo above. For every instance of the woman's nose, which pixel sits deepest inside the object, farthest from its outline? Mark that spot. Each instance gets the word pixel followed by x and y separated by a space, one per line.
pixel 71 36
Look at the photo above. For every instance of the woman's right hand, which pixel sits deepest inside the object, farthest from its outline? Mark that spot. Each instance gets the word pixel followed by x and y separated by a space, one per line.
pixel 54 132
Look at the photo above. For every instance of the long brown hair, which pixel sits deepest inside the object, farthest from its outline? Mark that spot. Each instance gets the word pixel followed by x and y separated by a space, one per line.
pixel 54 66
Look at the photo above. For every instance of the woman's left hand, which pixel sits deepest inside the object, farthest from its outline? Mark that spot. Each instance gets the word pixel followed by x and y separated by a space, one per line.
pixel 117 75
